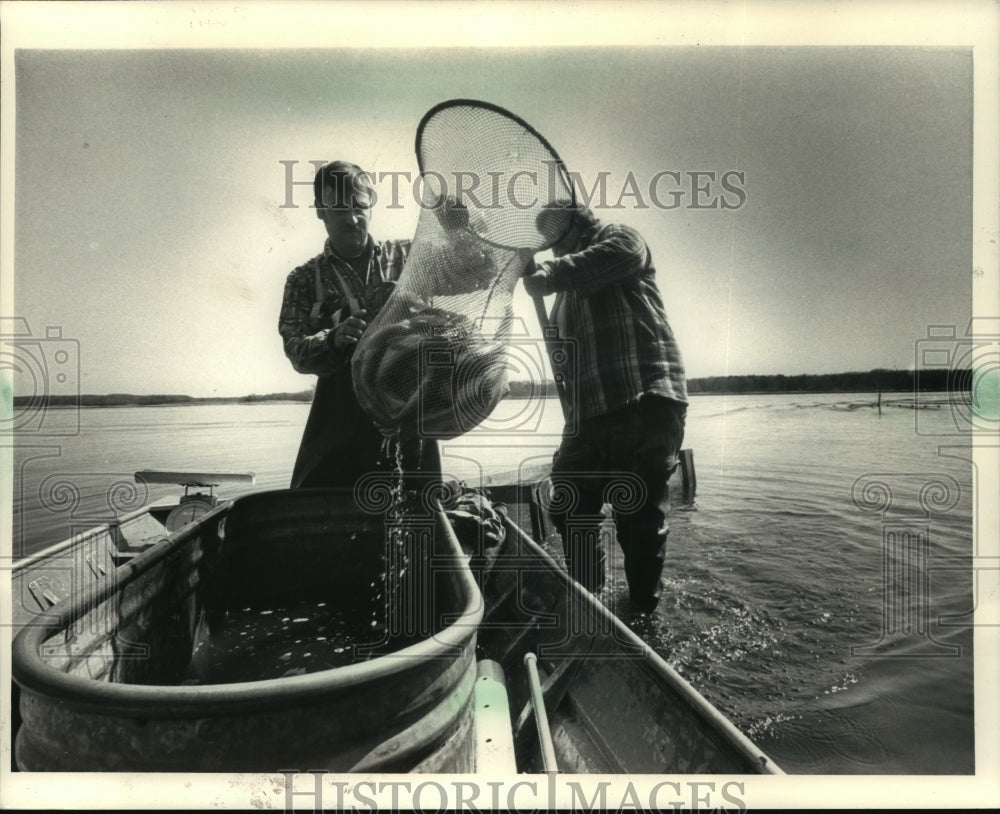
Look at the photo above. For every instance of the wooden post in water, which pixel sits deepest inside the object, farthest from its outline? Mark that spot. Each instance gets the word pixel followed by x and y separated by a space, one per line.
pixel 688 479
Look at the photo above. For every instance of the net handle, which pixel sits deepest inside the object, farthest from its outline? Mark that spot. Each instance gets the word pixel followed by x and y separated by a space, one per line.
pixel 548 335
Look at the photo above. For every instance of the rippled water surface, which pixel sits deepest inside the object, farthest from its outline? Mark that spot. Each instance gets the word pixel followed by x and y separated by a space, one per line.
pixel 818 589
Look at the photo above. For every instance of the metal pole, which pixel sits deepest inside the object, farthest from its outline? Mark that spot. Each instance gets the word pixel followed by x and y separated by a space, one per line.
pixel 549 763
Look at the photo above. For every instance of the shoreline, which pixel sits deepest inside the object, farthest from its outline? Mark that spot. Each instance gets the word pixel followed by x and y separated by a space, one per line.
pixel 70 402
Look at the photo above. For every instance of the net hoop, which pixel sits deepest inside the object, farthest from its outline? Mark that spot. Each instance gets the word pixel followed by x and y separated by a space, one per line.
pixel 557 161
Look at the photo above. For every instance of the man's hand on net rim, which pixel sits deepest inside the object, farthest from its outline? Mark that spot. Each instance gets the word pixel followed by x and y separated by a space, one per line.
pixel 537 282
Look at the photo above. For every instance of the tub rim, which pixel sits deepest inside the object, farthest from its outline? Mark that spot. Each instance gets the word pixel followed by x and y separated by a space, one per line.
pixel 151 701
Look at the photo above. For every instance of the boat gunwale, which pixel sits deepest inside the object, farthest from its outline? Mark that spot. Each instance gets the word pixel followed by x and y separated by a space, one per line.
pixel 698 703
pixel 32 674
pixel 36 557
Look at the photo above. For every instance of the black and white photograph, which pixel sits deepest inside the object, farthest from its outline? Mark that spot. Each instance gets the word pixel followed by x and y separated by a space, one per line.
pixel 500 405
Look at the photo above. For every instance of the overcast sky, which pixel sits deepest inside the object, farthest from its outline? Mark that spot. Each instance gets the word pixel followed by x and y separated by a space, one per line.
pixel 152 223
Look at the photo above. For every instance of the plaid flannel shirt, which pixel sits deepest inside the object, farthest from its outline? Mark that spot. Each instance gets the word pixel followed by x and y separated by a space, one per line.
pixel 308 315
pixel 609 306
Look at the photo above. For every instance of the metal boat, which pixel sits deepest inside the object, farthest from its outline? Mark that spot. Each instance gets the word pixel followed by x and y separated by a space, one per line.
pixel 322 629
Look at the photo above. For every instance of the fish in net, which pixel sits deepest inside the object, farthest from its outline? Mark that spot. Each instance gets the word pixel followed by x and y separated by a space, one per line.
pixel 433 363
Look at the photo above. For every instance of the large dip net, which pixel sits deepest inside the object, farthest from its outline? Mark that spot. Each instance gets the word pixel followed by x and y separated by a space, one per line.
pixel 433 363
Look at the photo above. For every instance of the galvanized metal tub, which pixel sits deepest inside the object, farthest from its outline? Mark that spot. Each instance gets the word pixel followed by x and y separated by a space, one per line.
pixel 101 674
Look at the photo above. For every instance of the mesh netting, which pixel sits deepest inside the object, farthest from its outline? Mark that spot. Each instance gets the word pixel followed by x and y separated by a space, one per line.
pixel 433 362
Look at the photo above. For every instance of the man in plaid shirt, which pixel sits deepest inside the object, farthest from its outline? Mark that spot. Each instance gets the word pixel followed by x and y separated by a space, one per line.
pixel 624 396
pixel 327 305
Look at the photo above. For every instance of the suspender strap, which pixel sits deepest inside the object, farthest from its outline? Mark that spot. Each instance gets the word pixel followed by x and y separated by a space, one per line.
pixel 320 291
pixel 348 292
pixel 352 301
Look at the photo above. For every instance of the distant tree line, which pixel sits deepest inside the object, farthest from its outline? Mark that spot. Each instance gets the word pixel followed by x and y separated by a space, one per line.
pixel 872 381
pixel 532 390
pixel 108 400
pixel 131 400
pixel 302 395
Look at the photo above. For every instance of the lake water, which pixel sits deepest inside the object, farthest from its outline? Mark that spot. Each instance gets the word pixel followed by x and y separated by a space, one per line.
pixel 819 589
